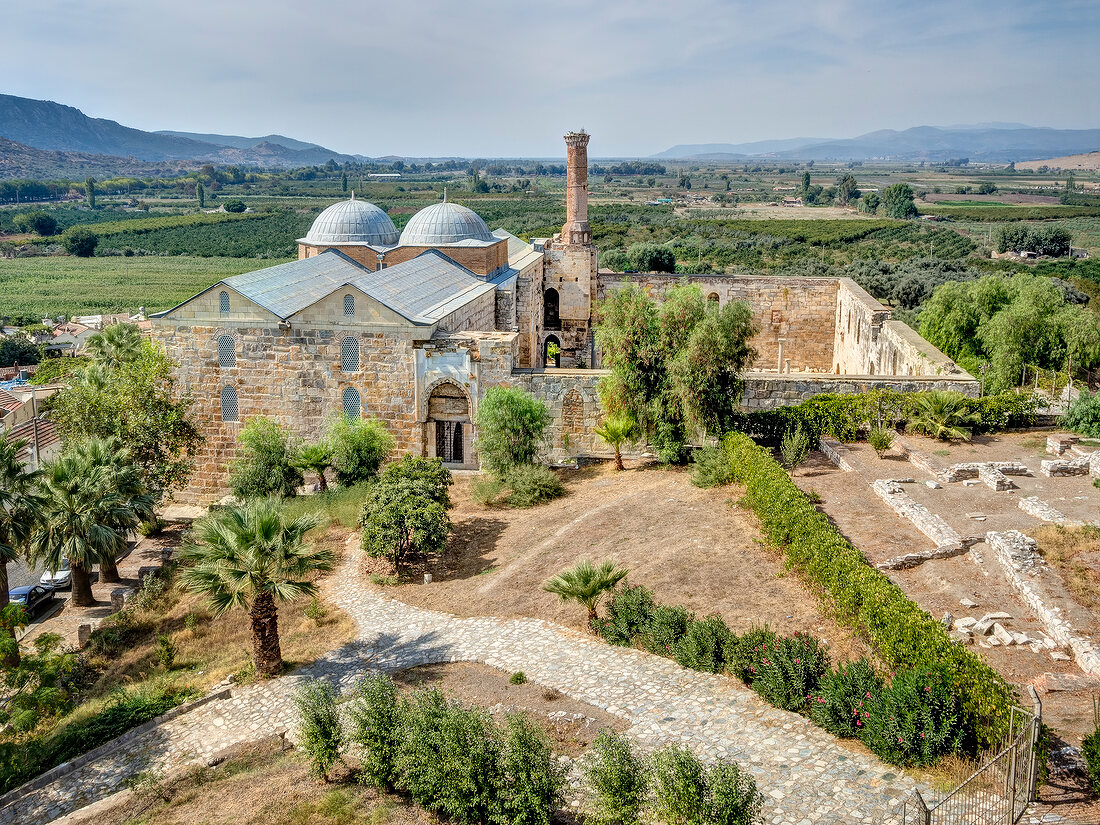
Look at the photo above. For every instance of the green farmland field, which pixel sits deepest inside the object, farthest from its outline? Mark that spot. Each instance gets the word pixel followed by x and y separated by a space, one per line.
pixel 63 285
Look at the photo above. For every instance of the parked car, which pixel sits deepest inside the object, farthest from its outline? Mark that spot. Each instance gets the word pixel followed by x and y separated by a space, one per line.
pixel 58 579
pixel 34 598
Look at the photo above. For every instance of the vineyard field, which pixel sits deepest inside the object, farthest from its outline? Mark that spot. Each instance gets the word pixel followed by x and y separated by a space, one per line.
pixel 31 288
pixel 271 235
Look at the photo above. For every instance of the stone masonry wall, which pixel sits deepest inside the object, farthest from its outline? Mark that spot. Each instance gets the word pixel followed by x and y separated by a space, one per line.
pixel 574 403
pixel 571 271
pixel 766 391
pixel 479 314
pixel 293 376
pixel 795 317
pixel 868 342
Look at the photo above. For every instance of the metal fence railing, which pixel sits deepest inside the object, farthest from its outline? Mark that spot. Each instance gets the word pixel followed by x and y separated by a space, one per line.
pixel 997 793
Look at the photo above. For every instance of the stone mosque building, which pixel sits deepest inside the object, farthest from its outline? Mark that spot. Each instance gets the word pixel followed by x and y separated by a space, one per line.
pixel 414 327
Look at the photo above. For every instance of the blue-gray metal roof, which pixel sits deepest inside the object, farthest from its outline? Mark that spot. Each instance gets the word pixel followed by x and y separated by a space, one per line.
pixel 422 290
pixel 444 224
pixel 353 222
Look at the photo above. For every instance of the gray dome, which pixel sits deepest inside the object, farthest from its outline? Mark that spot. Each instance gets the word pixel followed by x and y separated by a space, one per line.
pixel 444 223
pixel 353 222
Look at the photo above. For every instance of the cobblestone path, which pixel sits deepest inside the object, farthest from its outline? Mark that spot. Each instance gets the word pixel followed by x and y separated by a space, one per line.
pixel 805 774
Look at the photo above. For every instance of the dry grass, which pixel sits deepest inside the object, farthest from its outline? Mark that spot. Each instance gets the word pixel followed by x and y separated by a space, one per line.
pixel 1075 553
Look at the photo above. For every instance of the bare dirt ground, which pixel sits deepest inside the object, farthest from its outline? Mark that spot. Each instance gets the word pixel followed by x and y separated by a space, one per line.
pixel 1089 160
pixel 939 585
pixel 690 546
pixel 572 725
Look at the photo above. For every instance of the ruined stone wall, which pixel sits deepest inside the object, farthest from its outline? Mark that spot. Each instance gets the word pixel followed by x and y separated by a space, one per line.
pixel 867 342
pixel 571 270
pixel 529 291
pixel 574 403
pixel 766 391
pixel 795 317
pixel 291 375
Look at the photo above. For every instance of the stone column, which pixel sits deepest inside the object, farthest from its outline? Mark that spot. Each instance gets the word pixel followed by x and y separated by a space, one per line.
pixel 576 231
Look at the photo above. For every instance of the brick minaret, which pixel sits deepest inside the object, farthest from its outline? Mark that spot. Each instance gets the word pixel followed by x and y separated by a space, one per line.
pixel 576 231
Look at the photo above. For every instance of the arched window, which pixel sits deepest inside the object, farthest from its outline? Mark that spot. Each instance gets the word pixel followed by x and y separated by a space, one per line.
pixel 550 319
pixel 229 404
pixel 349 304
pixel 227 351
pixel 353 403
pixel 223 302
pixel 349 354
pixel 712 298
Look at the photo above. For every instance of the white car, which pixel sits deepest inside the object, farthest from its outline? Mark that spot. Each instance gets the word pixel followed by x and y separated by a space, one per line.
pixel 58 579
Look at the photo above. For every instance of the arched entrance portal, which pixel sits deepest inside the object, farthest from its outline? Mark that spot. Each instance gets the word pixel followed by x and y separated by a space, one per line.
pixel 551 352
pixel 550 317
pixel 449 424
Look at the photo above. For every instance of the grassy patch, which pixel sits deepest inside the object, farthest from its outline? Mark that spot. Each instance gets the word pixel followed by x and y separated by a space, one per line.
pixel 64 285
pixel 1069 549
pixel 338 504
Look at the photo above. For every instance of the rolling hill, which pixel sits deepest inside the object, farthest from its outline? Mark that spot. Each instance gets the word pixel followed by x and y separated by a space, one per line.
pixel 25 162
pixel 43 124
pixel 994 143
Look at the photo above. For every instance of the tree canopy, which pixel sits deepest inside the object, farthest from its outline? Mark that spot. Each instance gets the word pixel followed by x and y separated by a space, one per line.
pixel 897 201
pixel 511 424
pixel 675 366
pixel 1010 323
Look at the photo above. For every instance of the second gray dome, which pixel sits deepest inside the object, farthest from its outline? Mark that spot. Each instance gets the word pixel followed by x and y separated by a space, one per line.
pixel 353 222
pixel 445 223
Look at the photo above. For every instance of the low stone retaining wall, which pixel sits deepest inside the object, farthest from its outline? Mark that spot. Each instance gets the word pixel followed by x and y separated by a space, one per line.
pixel 933 526
pixel 1053 467
pixel 1035 506
pixel 839 454
pixel 1018 555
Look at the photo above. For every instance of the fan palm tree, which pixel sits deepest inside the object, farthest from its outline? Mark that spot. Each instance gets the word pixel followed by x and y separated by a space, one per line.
pixel 943 415
pixel 123 487
pixel 115 345
pixel 586 583
pixel 248 556
pixel 316 458
pixel 20 508
pixel 78 520
pixel 618 430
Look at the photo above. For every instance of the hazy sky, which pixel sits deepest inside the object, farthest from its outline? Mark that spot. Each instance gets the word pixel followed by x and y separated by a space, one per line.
pixel 497 78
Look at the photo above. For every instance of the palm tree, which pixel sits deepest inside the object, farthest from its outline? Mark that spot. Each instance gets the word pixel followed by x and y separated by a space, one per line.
pixel 587 584
pixel 20 508
pixel 115 345
pixel 943 415
pixel 618 430
pixel 77 520
pixel 247 556
pixel 122 479
pixel 316 458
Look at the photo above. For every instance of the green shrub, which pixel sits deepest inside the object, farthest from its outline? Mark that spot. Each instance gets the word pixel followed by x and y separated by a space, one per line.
pixel 449 758
pixel 315 611
pixel 154 588
pixel 518 678
pixel 732 796
pixel 1083 415
pixel 679 787
pixel 165 651
pixel 511 424
pixel 844 698
pixel 880 439
pixel 376 727
pixel 794 447
pixel 360 446
pixel 532 484
pixel 749 652
pixel 915 720
pixel 711 468
pixel 320 730
pixel 707 645
pixel 791 671
pixel 616 780
pixel 485 490
pixel 628 614
pixel 79 241
pixel 902 633
pixel 666 626
pixel 265 462
pixel 1090 748
pixel 532 779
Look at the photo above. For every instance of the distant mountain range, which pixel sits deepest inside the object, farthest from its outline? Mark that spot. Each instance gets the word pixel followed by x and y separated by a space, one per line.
pixel 993 142
pixel 43 124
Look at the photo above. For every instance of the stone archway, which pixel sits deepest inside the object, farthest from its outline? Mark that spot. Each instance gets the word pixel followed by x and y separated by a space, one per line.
pixel 448 428
pixel 549 360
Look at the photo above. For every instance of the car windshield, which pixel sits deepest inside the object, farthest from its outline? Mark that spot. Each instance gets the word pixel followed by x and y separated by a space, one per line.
pixel 17 598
